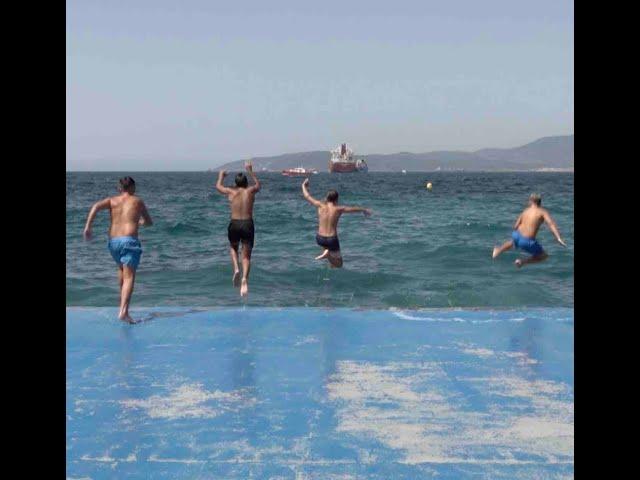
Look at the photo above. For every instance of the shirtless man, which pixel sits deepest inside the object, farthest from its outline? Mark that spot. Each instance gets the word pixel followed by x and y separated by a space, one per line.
pixel 525 230
pixel 329 213
pixel 241 226
pixel 127 212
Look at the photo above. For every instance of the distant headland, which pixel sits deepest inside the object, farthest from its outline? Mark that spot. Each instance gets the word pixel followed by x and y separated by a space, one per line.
pixel 545 154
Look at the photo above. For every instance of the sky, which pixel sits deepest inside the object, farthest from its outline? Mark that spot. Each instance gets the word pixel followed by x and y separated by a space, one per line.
pixel 166 85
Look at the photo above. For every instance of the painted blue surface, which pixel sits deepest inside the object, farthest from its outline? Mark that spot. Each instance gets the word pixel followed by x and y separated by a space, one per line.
pixel 320 394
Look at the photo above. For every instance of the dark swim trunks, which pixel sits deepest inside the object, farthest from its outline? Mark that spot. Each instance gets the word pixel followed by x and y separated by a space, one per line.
pixel 330 243
pixel 529 245
pixel 241 230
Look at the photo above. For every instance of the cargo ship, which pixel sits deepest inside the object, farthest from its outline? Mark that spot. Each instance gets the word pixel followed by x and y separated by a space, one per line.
pixel 343 161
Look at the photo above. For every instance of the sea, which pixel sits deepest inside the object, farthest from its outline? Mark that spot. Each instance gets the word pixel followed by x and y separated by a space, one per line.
pixel 420 248
pixel 423 357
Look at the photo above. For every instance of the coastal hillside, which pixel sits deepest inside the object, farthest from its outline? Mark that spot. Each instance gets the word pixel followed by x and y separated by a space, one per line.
pixel 545 153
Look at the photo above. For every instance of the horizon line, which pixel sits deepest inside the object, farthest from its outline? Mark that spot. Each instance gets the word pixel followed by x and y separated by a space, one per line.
pixel 325 151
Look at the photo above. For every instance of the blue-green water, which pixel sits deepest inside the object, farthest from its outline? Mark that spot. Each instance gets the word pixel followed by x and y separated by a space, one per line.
pixel 419 249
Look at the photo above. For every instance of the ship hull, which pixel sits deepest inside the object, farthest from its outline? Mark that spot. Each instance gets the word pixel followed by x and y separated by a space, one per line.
pixel 342 167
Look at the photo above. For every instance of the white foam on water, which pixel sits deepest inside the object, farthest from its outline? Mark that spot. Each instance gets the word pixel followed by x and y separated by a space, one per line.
pixel 188 401
pixel 166 345
pixel 307 340
pixel 295 454
pixel 188 461
pixel 407 407
pixel 406 316
pixel 522 357
pixel 415 316
pixel 108 459
pixel 480 352
pixel 103 459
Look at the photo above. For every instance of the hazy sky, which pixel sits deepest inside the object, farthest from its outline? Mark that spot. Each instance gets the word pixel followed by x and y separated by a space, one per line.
pixel 187 85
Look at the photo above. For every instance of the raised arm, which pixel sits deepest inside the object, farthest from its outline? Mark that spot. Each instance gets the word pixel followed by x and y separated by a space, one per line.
pixel 256 183
pixel 101 205
pixel 554 229
pixel 366 211
pixel 145 219
pixel 307 195
pixel 219 186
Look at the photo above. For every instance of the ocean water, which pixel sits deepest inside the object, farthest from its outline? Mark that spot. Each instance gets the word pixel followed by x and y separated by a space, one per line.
pixel 420 249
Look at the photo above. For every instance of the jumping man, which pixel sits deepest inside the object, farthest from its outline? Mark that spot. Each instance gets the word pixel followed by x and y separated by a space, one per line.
pixel 329 213
pixel 241 226
pixel 127 212
pixel 525 230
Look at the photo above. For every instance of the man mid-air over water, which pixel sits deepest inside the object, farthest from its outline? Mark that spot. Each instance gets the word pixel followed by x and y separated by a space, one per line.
pixel 127 212
pixel 241 226
pixel 329 213
pixel 525 230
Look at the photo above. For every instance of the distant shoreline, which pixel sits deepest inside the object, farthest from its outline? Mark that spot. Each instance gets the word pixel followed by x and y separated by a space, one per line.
pixel 541 170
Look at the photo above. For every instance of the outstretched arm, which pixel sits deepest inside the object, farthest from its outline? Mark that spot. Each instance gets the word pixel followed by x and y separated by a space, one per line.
pixel 308 196
pixel 145 220
pixel 256 183
pixel 101 205
pixel 366 211
pixel 221 188
pixel 554 229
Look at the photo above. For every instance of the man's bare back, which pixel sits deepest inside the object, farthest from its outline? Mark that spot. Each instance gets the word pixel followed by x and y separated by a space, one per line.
pixel 530 221
pixel 127 213
pixel 241 200
pixel 328 217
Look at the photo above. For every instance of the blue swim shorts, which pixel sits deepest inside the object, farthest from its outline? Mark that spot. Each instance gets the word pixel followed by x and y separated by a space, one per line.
pixel 125 251
pixel 529 245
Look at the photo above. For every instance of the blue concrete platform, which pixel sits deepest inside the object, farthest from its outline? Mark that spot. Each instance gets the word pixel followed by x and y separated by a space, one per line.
pixel 320 394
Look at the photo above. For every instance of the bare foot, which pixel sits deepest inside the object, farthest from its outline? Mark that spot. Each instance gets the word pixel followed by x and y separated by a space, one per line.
pixel 244 289
pixel 324 255
pixel 518 263
pixel 125 317
pixel 496 252
pixel 236 278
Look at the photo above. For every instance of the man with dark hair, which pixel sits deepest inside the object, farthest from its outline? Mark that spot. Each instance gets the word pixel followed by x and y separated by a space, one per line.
pixel 241 226
pixel 329 213
pixel 127 212
pixel 525 230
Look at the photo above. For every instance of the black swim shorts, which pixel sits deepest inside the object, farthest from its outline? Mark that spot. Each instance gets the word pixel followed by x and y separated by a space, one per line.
pixel 241 230
pixel 330 243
